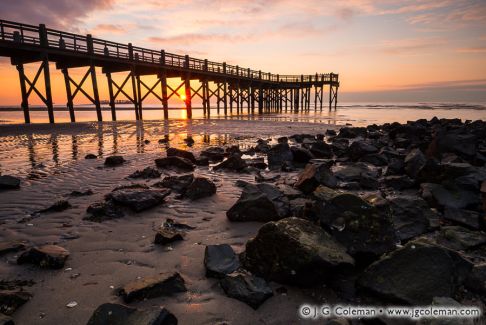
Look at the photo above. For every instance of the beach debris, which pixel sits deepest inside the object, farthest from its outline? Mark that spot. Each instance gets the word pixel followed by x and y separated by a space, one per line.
pixel 122 315
pixel 174 152
pixel 113 161
pixel 46 256
pixel 71 304
pixel 11 300
pixel 8 182
pixel 232 163
pixel 200 187
pixel 294 250
pixel 247 288
pixel 407 272
pixel 166 235
pixel 260 202
pixel 138 199
pixel 164 284
pixel 220 260
pixel 90 156
pixel 106 210
pixel 146 173
pixel 174 161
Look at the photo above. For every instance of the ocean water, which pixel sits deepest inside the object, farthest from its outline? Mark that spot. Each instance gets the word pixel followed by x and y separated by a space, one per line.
pixel 357 114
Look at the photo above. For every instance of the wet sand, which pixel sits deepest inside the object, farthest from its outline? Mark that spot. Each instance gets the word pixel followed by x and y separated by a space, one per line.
pixel 50 161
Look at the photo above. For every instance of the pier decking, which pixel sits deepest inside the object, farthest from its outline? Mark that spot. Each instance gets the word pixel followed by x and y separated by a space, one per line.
pixel 231 86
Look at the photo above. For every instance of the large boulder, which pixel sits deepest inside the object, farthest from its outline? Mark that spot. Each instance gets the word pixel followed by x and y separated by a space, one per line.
pixel 366 231
pixel 415 274
pixel 352 132
pixel 102 211
pixel 47 256
pixel 113 161
pixel 213 153
pixel 175 161
pixel 279 154
pixel 174 152
pixel 138 199
pixel 450 196
pixel 261 202
pixel 294 250
pixel 164 284
pixel 314 175
pixel 8 182
pixel 457 141
pixel 111 314
pixel 220 260
pixel 247 288
pixel 301 155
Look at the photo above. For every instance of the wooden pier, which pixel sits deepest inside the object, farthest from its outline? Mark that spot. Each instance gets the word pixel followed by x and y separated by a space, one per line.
pixel 232 87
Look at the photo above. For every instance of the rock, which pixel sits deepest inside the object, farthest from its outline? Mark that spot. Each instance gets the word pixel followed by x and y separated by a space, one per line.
pixel 411 216
pixel 213 153
pixel 289 191
pixel 339 145
pixel 11 300
pixel 321 150
pixel 263 178
pixel 301 208
pixel 447 302
pixel 5 320
pixel 262 146
pixel 359 148
pixel 456 141
pixel 415 274
pixel 101 211
pixel 354 172
pixel 250 289
pixel 177 183
pixel 294 250
pixel 167 235
pixel 375 159
pixel 146 141
pixel 47 256
pixel 314 175
pixel 172 224
pixel 258 162
pixel 113 161
pixel 164 284
pixel 131 186
pixel 146 173
pixel 138 199
pixel 8 182
pixel 364 230
pixel 199 188
pixel 174 152
pixel 77 193
pixel 352 132
pixel 279 154
pixel 398 183
pixel 476 280
pixel 395 166
pixel 414 162
pixel 233 163
pixel 58 206
pixel 202 161
pixel 301 155
pixel 165 140
pixel 331 133
pixel 452 197
pixel 462 217
pixel 459 238
pixel 220 260
pixel 189 141
pixel 111 314
pixel 261 202
pixel 174 161
pixel 11 247
pixel 90 156
pixel 282 140
pixel 325 194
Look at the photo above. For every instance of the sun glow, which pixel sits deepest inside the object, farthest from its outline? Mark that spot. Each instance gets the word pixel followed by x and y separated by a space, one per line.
pixel 182 97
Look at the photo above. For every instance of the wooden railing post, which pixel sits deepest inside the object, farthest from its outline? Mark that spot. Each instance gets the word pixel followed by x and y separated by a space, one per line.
pixel 89 44
pixel 162 57
pixel 130 51
pixel 43 36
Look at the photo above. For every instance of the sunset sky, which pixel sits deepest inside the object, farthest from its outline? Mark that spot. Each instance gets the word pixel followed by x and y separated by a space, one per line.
pixel 384 51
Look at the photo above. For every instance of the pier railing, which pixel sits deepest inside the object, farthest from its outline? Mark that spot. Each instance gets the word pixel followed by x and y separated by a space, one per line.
pixel 86 44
